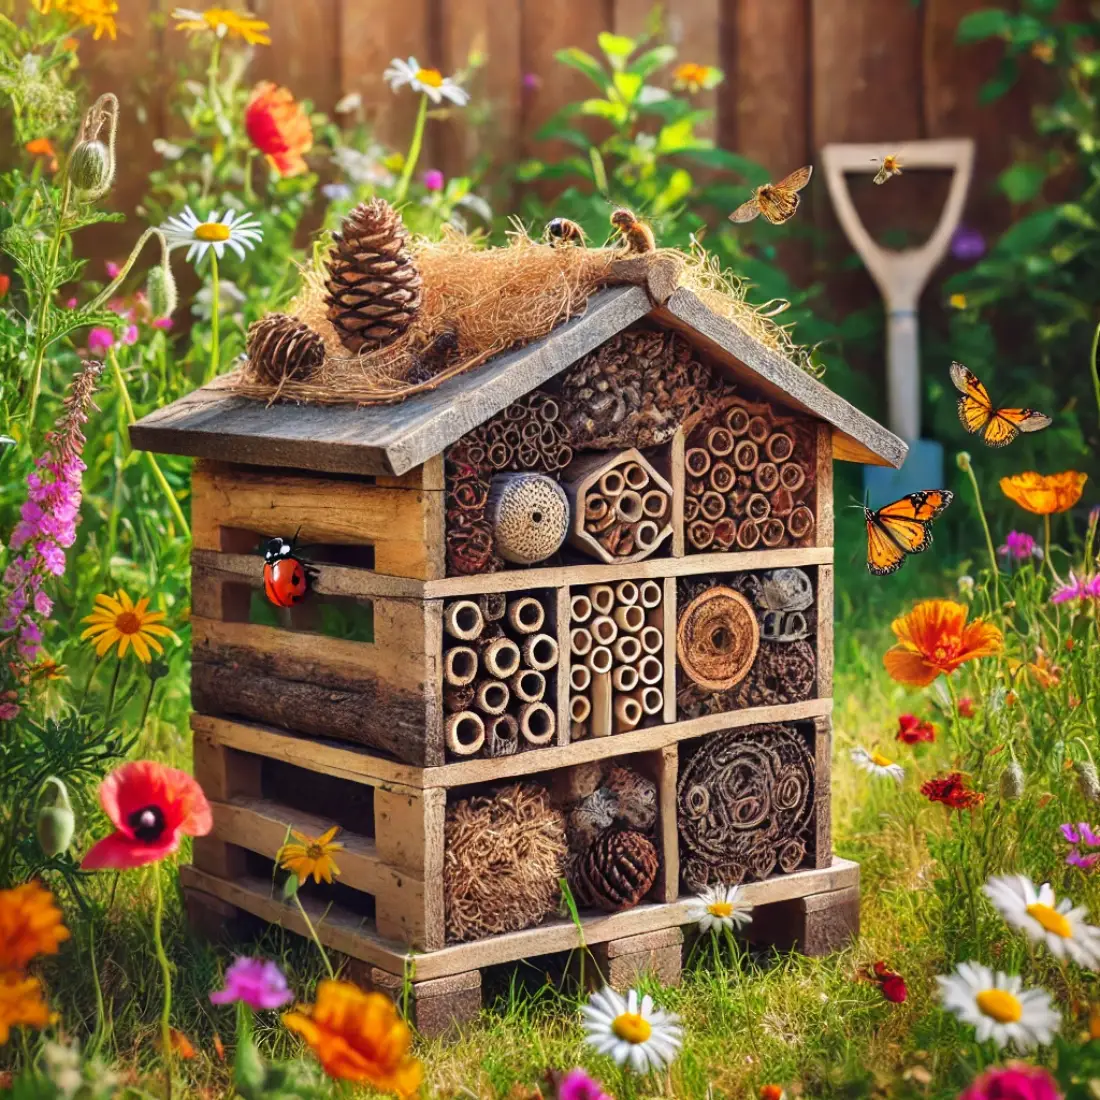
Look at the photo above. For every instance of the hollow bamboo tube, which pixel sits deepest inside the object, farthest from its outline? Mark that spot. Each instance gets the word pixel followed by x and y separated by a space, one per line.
pixel 719 441
pixel 654 503
pixel 650 670
pixel 603 629
pixel 766 476
pixel 758 507
pixel 599 660
pixel 748 534
pixel 626 593
pixel 602 597
pixel 800 522
pixel 580 707
pixel 627 649
pixel 722 477
pixel 612 483
pixel 624 678
pixel 652 639
pixel 493 606
pixel 697 461
pixel 526 615
pixel 540 651
pixel 502 735
pixel 578 731
pixel 691 508
pixel 463 620
pixel 792 477
pixel 596 507
pixel 652 700
pixel 746 456
pixel 528 685
pixel 580 642
pixel 759 430
pixel 580 676
pixel 492 697
pixel 499 455
pixel 700 534
pixel 628 713
pixel 501 657
pixel 772 532
pixel 646 534
pixel 464 733
pixel 635 476
pixel 630 619
pixel 580 608
pixel 779 447
pixel 458 698
pixel 599 721
pixel 712 505
pixel 649 594
pixel 628 505
pixel 536 723
pixel 459 666
pixel 737 420
pixel 725 531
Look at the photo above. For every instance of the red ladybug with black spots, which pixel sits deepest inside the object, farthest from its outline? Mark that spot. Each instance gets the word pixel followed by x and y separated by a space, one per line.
pixel 286 577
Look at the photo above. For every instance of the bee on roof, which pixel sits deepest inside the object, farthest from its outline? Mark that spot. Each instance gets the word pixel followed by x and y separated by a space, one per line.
pixel 561 231
pixel 636 235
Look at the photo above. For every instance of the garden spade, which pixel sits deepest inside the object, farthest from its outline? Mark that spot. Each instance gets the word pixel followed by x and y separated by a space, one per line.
pixel 901 276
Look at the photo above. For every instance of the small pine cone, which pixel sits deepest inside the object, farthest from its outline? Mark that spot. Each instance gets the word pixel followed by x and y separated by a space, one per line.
pixel 282 347
pixel 619 869
pixel 373 285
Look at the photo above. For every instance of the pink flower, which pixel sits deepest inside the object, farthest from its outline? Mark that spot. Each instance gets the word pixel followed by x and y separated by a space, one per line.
pixel 112 269
pixel 71 303
pixel 433 179
pixel 130 334
pixel 163 322
pixel 259 983
pixel 1081 836
pixel 1019 546
pixel 8 711
pixel 100 339
pixel 1015 1081
pixel 577 1085
pixel 1078 588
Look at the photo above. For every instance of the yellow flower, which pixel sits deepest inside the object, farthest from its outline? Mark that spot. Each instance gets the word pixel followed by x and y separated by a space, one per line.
pixel 21 1004
pixel 1045 494
pixel 957 301
pixel 30 925
pixel 97 14
pixel 691 77
pixel 358 1037
pixel 223 22
pixel 311 856
pixel 118 619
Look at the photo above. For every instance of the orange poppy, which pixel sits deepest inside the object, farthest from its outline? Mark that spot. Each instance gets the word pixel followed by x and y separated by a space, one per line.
pixel 21 1004
pixel 1042 671
pixel 358 1037
pixel 1045 494
pixel 935 637
pixel 279 127
pixel 43 147
pixel 30 925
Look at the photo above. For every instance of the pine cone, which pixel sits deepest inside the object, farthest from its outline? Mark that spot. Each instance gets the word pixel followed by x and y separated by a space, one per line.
pixel 282 347
pixel 618 870
pixel 373 285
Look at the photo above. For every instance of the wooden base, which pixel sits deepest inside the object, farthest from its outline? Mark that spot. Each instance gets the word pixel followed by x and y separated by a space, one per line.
pixel 620 963
pixel 817 924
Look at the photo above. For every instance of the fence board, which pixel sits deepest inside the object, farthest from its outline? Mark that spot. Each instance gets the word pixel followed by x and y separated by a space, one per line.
pixel 305 38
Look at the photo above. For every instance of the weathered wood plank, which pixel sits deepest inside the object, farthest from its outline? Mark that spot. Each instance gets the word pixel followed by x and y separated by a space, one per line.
pixel 825 643
pixel 823 791
pixel 305 38
pixel 824 526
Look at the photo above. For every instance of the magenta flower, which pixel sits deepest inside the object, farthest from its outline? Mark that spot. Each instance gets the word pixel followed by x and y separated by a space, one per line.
pixel 71 303
pixel 433 179
pixel 577 1085
pixel 532 81
pixel 100 339
pixel 1078 588
pixel 1081 837
pixel 258 983
pixel 967 244
pixel 1015 1081
pixel 130 334
pixel 112 269
pixel 1020 546
pixel 8 711
pixel 163 322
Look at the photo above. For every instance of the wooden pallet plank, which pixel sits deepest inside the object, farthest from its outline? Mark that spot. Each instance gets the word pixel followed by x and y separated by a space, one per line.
pixel 823 488
pixel 823 791
pixel 666 823
pixel 825 626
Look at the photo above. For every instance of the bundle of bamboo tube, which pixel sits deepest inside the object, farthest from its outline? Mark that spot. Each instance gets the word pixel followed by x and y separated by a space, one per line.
pixel 625 511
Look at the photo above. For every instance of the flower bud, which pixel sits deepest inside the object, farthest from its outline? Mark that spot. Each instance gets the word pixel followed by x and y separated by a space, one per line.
pixel 1088 782
pixel 966 585
pixel 56 821
pixel 1012 782
pixel 91 168
pixel 160 288
pixel 962 460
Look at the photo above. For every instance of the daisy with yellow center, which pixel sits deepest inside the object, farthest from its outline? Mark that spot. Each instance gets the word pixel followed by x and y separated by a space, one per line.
pixel 223 22
pixel 874 763
pixel 311 856
pixel 996 1006
pixel 429 82
pixel 1058 924
pixel 238 230
pixel 717 909
pixel 634 1032
pixel 97 14
pixel 117 620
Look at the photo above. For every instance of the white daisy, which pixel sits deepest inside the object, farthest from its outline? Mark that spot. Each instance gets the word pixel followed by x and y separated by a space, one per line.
pixel 1060 925
pixel 716 908
pixel 877 764
pixel 644 1037
pixel 431 82
pixel 997 1008
pixel 240 231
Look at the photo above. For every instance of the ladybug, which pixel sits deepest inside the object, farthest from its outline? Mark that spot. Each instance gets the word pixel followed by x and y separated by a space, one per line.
pixel 286 578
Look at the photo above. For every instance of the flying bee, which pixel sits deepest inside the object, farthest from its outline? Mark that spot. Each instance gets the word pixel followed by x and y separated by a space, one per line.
pixel 636 235
pixel 776 201
pixel 890 165
pixel 561 231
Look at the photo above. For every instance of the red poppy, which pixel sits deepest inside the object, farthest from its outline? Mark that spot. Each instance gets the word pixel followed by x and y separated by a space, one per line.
pixel 892 984
pixel 151 806
pixel 279 127
pixel 953 791
pixel 912 730
pixel 967 708
pixel 5 285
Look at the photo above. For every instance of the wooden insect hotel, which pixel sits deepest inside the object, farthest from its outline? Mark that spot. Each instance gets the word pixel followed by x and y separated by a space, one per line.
pixel 569 513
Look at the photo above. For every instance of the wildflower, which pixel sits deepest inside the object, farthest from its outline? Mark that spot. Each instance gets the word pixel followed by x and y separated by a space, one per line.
pixel 957 301
pixel 967 244
pixel 966 585
pixel 997 1007
pixel 772 1092
pixel 1012 781
pixel 1058 925
pixel 1019 546
pixel 577 1085
pixel 348 102
pixel 336 192
pixel 874 763
pixel 1043 50
pixel 433 179
pixel 21 1004
pixel 363 167
pixel 181 1045
pixel 118 620
pixel 31 924
pixel 5 285
pixel 952 791
pixel 55 822
pixel 966 707
pixel 223 23
pixel 311 856
pixel 1045 494
pixel 1041 671
pixel 358 1037
pixel 717 908
pixel 1081 836
pixel 151 806
pixel 1077 588
pixel 1015 1081
pixel 240 231
pixel 97 14
pixel 692 77
pixel 636 1034
pixel 431 82
pixel 43 147
pixel 891 983
pixel 913 730
pixel 279 127
pixel 63 1068
pixel 1088 782
pixel 100 339
pixel 258 983
pixel 935 638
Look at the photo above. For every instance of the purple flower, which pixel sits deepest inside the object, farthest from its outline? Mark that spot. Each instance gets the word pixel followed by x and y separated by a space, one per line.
pixel 1081 835
pixel 967 244
pixel 259 983
pixel 1077 588
pixel 577 1085
pixel 532 81
pixel 433 179
pixel 1017 1081
pixel 100 339
pixel 1019 546
pixel 130 334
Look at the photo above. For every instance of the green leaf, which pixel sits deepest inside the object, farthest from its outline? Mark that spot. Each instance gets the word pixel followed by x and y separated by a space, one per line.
pixel 1001 81
pixel 599 172
pixel 1077 215
pixel 1022 182
pixel 290 887
pixel 982 24
pixel 644 65
pixel 676 190
pixel 627 85
pixel 680 136
pixel 583 63
pixel 1027 234
pixel 616 47
pixel 603 108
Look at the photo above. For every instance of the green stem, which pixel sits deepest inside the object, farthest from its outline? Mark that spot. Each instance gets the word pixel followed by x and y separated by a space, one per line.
pixel 313 935
pixel 105 294
pixel 1046 550
pixel 215 306
pixel 166 973
pixel 249 194
pixel 414 152
pixel 111 694
pixel 1095 367
pixel 148 701
pixel 968 467
pixel 743 983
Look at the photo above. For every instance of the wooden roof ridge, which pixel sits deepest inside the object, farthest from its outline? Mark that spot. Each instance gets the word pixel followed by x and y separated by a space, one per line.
pixel 213 422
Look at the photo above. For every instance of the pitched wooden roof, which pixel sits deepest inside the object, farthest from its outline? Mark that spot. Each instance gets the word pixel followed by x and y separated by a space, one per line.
pixel 215 423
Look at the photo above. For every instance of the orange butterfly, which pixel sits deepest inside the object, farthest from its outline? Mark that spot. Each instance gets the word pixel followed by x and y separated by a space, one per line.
pixel 776 201
pixel 997 427
pixel 901 528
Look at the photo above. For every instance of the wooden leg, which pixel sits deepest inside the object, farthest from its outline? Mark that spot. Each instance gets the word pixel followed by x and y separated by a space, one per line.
pixel 436 1007
pixel 622 962
pixel 815 925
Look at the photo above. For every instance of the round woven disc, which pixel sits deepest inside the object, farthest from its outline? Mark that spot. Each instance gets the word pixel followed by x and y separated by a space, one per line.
pixel 717 638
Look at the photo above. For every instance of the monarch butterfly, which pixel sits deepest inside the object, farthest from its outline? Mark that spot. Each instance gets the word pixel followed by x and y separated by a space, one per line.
pixel 997 427
pixel 901 528
pixel 776 201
